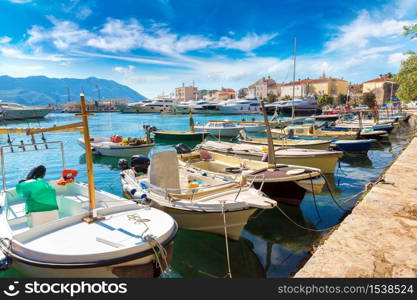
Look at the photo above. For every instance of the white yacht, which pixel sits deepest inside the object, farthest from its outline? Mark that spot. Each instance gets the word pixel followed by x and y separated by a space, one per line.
pixel 132 107
pixel 240 106
pixel 184 107
pixel 159 105
pixel 204 107
pixel 14 111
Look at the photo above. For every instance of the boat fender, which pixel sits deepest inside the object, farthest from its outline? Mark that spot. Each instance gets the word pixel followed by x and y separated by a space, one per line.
pixel 5 262
pixel 133 191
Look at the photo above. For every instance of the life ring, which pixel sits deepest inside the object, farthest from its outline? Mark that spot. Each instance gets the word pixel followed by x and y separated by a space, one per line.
pixel 68 176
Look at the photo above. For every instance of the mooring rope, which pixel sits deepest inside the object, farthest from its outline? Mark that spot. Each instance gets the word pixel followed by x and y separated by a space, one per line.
pixel 226 241
pixel 157 246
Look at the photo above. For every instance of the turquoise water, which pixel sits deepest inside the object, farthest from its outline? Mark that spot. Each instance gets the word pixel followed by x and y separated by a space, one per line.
pixel 270 245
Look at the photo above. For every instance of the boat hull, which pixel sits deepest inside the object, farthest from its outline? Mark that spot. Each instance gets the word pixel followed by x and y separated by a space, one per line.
pixel 223 132
pixel 144 267
pixel 212 222
pixel 180 136
pixel 126 151
pixel 353 146
pixel 20 114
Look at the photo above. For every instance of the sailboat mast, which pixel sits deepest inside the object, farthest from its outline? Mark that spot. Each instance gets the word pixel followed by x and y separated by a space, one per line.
pixel 88 154
pixel 293 78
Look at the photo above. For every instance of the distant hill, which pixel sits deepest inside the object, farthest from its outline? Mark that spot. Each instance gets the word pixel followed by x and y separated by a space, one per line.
pixel 41 90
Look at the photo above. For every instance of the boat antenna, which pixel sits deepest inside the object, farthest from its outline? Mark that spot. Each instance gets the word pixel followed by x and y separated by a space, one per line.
pixel 293 79
pixel 271 152
pixel 92 217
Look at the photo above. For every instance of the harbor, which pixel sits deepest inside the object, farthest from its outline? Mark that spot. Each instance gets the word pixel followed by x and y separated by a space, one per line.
pixel 273 243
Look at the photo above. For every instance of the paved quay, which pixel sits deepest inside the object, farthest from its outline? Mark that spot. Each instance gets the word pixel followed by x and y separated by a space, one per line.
pixel 379 237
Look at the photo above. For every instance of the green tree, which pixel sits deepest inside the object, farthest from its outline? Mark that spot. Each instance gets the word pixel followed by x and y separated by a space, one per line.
pixel 272 97
pixel 411 30
pixel 369 99
pixel 407 79
pixel 287 97
pixel 325 100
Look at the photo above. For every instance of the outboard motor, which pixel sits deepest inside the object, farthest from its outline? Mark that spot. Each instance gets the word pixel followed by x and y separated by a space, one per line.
pixel 140 163
pixel 183 148
pixel 123 164
pixel 291 133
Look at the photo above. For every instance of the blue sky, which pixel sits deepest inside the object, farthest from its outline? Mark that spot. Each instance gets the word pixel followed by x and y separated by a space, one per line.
pixel 154 46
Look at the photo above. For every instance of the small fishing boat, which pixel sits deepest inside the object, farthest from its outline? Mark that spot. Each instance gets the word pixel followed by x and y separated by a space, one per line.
pixel 353 145
pixel 125 148
pixel 221 129
pixel 92 233
pixel 286 183
pixel 216 204
pixel 320 159
pixel 286 142
pixel 178 136
pixel 310 131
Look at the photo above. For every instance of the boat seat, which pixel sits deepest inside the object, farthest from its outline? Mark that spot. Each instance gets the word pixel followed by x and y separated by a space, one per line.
pixel 72 204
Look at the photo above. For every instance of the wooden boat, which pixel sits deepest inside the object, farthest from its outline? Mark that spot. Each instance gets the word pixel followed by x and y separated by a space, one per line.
pixel 286 183
pixel 285 142
pixel 181 136
pixel 319 159
pixel 216 204
pixel 310 131
pixel 104 146
pixel 93 233
pixel 353 145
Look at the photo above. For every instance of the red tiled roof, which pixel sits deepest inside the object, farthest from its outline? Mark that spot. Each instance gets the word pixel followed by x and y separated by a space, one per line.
pixel 312 81
pixel 380 79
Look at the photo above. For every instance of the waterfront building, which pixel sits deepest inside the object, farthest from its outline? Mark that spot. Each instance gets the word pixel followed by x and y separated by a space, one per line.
pixel 262 88
pixel 383 88
pixel 186 93
pixel 224 94
pixel 315 87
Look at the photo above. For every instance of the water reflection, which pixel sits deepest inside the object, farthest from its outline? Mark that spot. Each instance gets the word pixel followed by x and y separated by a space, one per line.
pixel 357 160
pixel 201 254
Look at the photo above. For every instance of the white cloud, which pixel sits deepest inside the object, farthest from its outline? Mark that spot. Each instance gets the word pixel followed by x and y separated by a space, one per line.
pixel 5 40
pixel 83 13
pixel 20 1
pixel 395 59
pixel 359 33
pixel 404 7
pixel 63 34
pixel 248 43
pixel 13 52
pixel 124 36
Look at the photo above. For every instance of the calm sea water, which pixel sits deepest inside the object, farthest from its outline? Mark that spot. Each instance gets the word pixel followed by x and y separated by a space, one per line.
pixel 270 246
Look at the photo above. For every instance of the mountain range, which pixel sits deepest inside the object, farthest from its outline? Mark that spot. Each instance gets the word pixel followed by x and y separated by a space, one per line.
pixel 42 90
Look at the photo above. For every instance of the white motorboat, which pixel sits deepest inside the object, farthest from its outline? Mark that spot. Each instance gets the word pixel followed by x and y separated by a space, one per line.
pixel 204 107
pixel 14 111
pixel 240 106
pixel 132 107
pixel 104 146
pixel 159 105
pixel 92 234
pixel 216 204
pixel 220 129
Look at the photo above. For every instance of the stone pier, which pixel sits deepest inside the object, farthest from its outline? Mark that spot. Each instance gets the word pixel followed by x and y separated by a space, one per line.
pixel 379 237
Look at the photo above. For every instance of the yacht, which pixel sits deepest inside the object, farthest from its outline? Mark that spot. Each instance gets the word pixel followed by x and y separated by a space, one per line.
pixel 240 106
pixel 184 107
pixel 302 107
pixel 132 107
pixel 204 107
pixel 159 105
pixel 14 111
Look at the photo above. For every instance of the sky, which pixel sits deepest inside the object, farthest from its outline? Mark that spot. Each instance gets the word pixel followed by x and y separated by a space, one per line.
pixel 154 46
